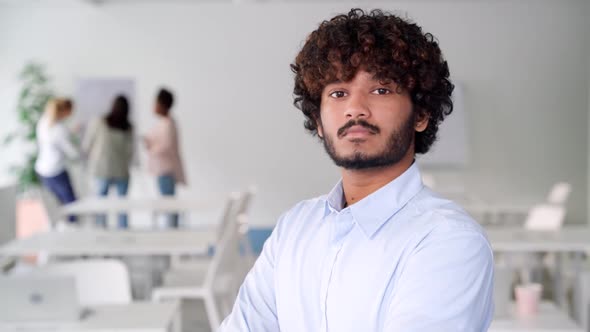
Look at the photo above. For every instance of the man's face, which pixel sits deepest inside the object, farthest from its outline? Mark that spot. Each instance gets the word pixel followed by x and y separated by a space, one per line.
pixel 366 124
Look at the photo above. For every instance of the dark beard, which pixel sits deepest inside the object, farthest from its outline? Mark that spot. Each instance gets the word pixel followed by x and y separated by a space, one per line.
pixel 397 146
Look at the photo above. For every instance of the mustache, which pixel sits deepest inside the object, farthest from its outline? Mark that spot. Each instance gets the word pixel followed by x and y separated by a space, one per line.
pixel 372 128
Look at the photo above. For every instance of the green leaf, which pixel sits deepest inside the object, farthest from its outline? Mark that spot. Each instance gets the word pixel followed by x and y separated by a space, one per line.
pixel 31 136
pixel 25 92
pixel 34 94
pixel 8 139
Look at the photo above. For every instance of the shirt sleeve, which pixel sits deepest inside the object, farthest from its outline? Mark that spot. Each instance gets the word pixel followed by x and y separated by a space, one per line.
pixel 255 307
pixel 90 137
pixel 65 144
pixel 446 285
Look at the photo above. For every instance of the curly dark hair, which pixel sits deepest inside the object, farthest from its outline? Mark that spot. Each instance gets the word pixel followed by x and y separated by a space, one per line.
pixel 166 99
pixel 392 48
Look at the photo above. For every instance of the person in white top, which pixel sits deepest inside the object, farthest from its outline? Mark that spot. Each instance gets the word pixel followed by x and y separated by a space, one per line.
pixel 55 148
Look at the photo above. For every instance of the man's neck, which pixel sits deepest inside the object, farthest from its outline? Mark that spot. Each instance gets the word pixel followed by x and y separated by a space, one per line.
pixel 358 184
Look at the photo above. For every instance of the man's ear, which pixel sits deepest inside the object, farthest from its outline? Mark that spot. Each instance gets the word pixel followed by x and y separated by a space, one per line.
pixel 421 122
pixel 320 129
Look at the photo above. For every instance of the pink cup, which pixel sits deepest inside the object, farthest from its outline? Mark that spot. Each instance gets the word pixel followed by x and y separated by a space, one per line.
pixel 528 297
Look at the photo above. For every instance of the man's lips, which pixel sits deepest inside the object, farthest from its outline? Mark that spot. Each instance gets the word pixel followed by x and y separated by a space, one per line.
pixel 357 131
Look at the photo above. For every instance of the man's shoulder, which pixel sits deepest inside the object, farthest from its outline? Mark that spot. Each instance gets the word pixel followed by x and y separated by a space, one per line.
pixel 442 232
pixel 306 207
pixel 438 215
pixel 303 212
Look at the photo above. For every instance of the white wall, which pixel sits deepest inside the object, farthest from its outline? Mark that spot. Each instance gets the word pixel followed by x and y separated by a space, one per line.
pixel 520 63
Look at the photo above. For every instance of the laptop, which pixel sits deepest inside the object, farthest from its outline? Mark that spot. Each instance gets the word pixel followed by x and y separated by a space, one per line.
pixel 39 299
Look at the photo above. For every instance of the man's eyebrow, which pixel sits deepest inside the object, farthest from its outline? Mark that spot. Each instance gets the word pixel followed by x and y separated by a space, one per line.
pixel 336 81
pixel 383 80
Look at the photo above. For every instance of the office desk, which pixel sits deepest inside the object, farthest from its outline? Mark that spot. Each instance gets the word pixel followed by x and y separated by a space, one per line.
pixel 517 239
pixel 95 205
pixel 116 243
pixel 133 317
pixel 569 239
pixel 549 319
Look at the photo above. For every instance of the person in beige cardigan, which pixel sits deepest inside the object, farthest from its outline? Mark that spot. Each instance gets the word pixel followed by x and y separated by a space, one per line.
pixel 162 144
pixel 109 145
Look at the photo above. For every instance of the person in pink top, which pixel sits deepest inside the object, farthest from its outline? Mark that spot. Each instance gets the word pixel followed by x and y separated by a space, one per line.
pixel 163 150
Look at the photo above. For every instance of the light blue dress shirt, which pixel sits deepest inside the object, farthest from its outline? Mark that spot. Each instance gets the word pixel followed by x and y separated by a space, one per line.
pixel 402 259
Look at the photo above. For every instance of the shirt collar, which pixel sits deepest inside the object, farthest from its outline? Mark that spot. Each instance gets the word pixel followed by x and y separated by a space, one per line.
pixel 373 211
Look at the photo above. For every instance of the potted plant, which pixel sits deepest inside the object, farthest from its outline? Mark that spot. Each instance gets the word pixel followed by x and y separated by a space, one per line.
pixel 34 93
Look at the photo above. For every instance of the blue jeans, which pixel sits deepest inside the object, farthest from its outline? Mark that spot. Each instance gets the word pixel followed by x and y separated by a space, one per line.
pixel 122 185
pixel 61 187
pixel 167 186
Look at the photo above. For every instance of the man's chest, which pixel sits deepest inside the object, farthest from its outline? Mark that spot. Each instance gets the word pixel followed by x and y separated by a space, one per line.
pixel 336 282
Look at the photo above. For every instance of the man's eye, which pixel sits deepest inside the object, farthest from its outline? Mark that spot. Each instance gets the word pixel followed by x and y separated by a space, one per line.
pixel 381 91
pixel 338 94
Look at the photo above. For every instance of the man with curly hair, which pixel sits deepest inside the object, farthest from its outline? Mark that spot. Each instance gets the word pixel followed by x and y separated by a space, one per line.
pixel 380 252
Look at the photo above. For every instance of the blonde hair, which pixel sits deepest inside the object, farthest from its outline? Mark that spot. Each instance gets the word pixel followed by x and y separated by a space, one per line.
pixel 55 109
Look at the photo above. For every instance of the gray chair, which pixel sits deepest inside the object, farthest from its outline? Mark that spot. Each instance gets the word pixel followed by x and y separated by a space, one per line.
pixel 98 281
pixel 7 221
pixel 7 214
pixel 220 283
pixel 581 299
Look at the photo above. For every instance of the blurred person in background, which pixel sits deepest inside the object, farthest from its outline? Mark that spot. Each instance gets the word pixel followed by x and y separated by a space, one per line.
pixel 163 150
pixel 109 145
pixel 55 149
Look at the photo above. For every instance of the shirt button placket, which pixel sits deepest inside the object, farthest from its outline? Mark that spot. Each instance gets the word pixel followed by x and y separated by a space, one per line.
pixel 341 225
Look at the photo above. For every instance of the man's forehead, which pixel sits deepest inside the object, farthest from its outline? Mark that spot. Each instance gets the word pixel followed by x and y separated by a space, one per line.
pixel 381 78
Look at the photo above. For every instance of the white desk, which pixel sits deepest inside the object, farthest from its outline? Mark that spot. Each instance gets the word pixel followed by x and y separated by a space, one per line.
pixel 134 317
pixel 116 243
pixel 495 211
pixel 210 208
pixel 549 319
pixel 95 205
pixel 567 239
pixel 497 208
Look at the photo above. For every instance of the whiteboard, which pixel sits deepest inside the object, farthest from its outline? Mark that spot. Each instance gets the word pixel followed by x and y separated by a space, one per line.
pixel 93 97
pixel 451 148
